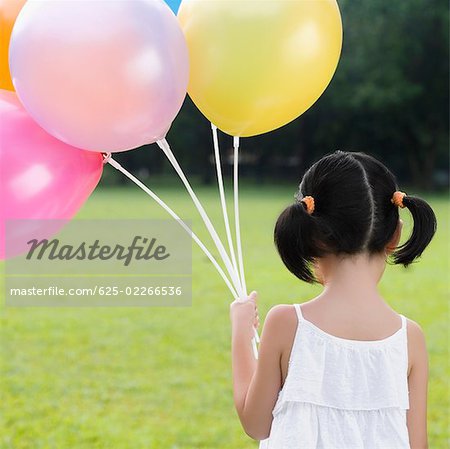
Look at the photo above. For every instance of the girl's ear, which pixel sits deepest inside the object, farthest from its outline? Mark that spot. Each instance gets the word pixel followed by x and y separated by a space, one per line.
pixel 395 239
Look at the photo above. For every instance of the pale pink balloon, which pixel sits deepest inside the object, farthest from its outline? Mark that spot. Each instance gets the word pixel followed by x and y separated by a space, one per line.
pixel 41 178
pixel 104 76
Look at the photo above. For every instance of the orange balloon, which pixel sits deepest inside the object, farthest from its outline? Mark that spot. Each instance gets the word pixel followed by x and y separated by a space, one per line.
pixel 9 10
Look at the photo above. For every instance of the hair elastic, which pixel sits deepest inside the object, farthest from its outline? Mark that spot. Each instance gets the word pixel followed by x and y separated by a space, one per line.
pixel 309 201
pixel 397 199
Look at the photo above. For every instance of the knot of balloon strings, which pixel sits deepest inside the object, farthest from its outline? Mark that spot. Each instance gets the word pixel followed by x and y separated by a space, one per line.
pixel 106 157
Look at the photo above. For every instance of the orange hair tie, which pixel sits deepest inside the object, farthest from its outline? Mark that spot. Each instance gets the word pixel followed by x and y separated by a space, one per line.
pixel 397 199
pixel 309 201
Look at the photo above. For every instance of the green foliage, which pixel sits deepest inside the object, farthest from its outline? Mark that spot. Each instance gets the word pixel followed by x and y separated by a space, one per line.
pixel 389 97
pixel 159 378
pixel 391 88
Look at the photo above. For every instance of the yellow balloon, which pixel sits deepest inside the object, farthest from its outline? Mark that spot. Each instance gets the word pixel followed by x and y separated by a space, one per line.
pixel 9 10
pixel 256 65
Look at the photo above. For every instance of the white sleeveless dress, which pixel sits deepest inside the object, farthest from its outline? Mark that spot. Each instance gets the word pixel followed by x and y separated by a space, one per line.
pixel 341 393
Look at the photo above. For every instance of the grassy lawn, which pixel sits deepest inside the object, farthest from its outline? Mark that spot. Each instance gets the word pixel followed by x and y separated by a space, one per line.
pixel 159 378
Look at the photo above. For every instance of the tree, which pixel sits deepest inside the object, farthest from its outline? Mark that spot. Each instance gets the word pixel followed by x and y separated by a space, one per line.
pixel 389 97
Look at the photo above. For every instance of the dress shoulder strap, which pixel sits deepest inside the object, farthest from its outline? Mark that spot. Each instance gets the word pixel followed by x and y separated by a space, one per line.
pixel 299 312
pixel 403 321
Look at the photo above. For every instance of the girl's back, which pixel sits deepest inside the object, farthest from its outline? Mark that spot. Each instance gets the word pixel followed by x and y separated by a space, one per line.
pixel 342 393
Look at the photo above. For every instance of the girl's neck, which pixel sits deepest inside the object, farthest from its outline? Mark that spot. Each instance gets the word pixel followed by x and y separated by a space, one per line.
pixel 354 278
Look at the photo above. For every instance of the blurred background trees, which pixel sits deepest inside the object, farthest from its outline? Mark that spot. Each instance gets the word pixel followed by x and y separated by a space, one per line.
pixel 389 97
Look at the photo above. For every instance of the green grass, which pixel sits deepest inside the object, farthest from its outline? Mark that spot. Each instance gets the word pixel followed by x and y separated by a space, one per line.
pixel 159 378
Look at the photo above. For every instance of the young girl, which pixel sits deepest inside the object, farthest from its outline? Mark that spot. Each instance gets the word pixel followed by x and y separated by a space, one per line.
pixel 343 370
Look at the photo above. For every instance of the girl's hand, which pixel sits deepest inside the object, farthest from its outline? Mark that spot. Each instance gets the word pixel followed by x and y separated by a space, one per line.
pixel 244 314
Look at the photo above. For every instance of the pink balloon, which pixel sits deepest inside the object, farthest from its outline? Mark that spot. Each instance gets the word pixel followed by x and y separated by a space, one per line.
pixel 41 178
pixel 104 76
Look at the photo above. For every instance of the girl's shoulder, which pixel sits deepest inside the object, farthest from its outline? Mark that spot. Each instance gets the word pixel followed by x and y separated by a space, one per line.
pixel 417 350
pixel 280 325
pixel 284 312
pixel 280 328
pixel 280 317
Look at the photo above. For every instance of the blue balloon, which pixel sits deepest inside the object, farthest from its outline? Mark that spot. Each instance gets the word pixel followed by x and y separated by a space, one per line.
pixel 174 5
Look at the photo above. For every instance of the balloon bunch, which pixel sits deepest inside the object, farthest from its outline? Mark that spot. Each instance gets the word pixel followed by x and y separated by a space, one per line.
pixel 95 78
pixel 87 75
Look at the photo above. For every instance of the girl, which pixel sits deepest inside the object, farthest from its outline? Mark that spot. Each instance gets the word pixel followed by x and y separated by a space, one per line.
pixel 343 370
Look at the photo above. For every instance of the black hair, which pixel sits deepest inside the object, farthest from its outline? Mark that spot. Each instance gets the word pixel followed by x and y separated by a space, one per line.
pixel 353 214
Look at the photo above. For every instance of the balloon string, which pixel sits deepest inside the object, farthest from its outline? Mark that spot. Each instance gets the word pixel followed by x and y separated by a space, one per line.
pixel 255 339
pixel 163 144
pixel 222 198
pixel 155 197
pixel 236 212
pixel 106 158
pixel 166 149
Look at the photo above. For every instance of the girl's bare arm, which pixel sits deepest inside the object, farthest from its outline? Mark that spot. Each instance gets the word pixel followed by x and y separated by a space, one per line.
pixel 257 383
pixel 418 387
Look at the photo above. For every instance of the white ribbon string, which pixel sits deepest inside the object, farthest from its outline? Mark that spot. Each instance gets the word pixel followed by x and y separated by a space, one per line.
pixel 153 195
pixel 223 201
pixel 255 339
pixel 237 285
pixel 236 213
pixel 106 158
pixel 163 144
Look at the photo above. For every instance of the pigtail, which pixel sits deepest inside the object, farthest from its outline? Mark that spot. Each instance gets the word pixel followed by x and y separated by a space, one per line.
pixel 423 231
pixel 294 237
